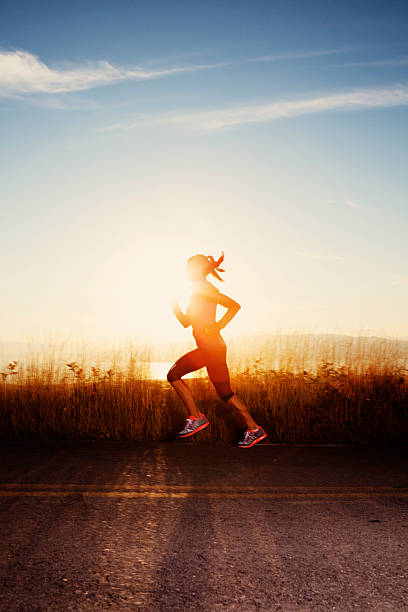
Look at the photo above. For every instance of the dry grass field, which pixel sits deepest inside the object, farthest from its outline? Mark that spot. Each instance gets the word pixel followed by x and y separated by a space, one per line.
pixel 301 389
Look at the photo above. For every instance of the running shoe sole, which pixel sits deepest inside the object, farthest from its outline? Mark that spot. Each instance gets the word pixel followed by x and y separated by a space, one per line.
pixel 195 431
pixel 254 442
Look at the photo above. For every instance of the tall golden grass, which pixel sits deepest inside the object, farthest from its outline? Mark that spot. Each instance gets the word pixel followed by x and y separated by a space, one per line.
pixel 361 401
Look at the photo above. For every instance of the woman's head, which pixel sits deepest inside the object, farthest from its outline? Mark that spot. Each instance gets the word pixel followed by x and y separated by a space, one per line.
pixel 199 266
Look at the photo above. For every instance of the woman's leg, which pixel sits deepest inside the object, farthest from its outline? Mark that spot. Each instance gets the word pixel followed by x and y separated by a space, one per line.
pixel 242 410
pixel 219 374
pixel 184 392
pixel 187 363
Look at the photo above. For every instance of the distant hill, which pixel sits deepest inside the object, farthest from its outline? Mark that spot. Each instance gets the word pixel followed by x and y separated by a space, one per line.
pixel 297 351
pixel 263 340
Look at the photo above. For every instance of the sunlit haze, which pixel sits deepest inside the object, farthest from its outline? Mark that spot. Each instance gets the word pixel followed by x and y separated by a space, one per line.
pixel 135 135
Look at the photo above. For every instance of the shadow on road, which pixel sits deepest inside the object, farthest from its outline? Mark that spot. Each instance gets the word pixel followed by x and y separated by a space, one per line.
pixel 183 576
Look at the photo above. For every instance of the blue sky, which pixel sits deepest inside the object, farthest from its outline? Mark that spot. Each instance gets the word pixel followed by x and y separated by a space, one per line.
pixel 134 134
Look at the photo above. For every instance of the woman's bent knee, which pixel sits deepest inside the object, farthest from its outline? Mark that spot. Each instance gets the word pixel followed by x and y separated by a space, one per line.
pixel 227 396
pixel 173 375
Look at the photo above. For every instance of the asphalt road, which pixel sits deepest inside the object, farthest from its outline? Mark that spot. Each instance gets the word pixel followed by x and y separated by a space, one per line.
pixel 129 526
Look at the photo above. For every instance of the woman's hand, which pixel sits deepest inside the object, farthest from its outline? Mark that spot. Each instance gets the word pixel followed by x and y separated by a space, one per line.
pixel 182 318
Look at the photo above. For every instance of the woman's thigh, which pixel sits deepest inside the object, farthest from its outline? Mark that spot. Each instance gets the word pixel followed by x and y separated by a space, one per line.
pixel 218 372
pixel 191 361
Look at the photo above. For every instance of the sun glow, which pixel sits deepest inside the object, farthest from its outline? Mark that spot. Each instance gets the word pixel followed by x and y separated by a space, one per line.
pixel 144 279
pixel 144 275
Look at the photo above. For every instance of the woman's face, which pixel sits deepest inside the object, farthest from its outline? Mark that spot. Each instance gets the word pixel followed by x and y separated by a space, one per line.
pixel 194 271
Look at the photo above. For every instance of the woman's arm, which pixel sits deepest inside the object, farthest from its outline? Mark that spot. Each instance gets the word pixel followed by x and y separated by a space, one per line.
pixel 232 309
pixel 182 318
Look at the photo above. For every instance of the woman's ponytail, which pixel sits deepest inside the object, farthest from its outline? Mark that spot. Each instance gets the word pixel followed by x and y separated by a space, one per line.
pixel 215 266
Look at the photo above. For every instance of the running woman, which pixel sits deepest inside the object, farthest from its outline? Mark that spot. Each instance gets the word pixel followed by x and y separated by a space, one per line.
pixel 211 349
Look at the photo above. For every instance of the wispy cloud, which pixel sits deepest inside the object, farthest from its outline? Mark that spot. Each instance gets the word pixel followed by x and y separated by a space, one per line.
pixel 300 54
pixel 318 256
pixel 349 203
pixel 23 73
pixel 396 280
pixel 396 61
pixel 260 113
pixel 352 204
